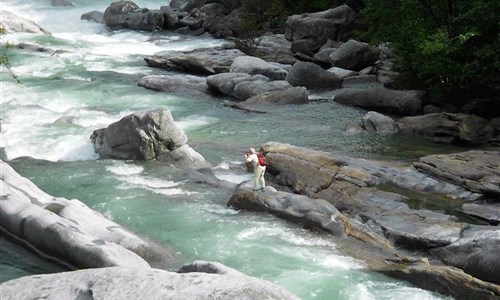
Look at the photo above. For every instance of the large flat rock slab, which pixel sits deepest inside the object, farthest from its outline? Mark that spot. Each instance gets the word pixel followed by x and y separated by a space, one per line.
pixel 204 61
pixel 70 231
pixel 478 171
pixel 120 283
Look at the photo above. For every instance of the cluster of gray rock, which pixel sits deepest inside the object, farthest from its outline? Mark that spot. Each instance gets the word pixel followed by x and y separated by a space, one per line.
pixel 340 195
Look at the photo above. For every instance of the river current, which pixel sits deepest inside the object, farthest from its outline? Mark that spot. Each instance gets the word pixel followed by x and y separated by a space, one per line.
pixel 62 98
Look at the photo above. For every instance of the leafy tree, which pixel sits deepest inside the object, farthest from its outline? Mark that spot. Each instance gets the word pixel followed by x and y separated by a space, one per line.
pixel 452 46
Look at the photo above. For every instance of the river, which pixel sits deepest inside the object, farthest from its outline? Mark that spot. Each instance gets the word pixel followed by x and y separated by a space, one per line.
pixel 62 98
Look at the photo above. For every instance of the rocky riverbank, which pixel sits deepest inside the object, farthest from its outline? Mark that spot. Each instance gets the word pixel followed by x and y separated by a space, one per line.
pixel 341 196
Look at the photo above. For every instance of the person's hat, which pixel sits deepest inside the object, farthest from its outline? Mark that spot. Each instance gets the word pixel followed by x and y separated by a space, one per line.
pixel 251 150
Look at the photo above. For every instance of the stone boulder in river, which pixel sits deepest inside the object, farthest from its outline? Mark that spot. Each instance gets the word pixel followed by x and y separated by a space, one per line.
pixel 254 66
pixel 69 231
pixel 294 95
pixel 248 89
pixel 184 85
pixel 353 55
pixel 375 122
pixel 312 76
pixel 477 171
pixel 201 281
pixel 11 23
pixel 146 136
pixel 225 83
pixel 95 16
pixel 204 61
pixel 126 14
pixel 382 100
pixel 449 128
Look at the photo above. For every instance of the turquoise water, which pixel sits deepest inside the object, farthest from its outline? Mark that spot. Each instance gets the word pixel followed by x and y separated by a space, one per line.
pixel 93 85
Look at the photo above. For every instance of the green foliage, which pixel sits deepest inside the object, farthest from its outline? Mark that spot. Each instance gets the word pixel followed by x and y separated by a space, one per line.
pixel 4 59
pixel 450 45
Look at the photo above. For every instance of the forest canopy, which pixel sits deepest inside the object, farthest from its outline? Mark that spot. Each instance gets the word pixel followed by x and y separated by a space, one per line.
pixel 450 48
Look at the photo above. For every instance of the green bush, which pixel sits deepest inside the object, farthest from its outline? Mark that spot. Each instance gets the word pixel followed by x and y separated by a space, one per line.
pixel 452 46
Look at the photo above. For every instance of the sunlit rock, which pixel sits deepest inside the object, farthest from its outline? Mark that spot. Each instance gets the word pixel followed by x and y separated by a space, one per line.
pixel 11 23
pixel 146 136
pixel 201 280
pixel 69 231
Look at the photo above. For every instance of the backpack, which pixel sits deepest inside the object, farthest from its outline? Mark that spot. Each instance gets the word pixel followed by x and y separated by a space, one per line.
pixel 262 160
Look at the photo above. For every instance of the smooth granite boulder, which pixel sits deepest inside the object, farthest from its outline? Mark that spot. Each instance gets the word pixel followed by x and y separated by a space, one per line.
pixel 353 55
pixel 11 23
pixel 312 76
pixel 382 100
pixel 95 16
pixel 475 170
pixel 69 231
pixel 183 85
pixel 146 136
pixel 275 48
pixel 248 89
pixel 319 26
pixel 254 66
pixel 205 61
pixel 449 128
pixel 126 14
pixel 225 83
pixel 476 252
pixel 295 95
pixel 120 283
pixel 375 122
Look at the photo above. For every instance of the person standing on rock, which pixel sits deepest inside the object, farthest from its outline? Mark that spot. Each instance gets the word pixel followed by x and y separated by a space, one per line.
pixel 259 168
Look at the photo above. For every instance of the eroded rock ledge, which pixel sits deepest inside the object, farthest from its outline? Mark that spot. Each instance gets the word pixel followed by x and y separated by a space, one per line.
pixel 69 231
pixel 200 280
pixel 340 196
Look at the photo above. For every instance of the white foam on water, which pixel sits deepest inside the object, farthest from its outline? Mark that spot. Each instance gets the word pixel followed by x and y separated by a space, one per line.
pixel 234 178
pixel 219 210
pixel 124 169
pixel 149 182
pixel 284 234
pixel 342 262
pixel 195 121
pixel 172 192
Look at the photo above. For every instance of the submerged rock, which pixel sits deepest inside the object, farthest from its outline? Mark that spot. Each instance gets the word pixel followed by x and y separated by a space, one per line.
pixel 11 23
pixel 208 281
pixel 375 122
pixel 69 231
pixel 146 136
